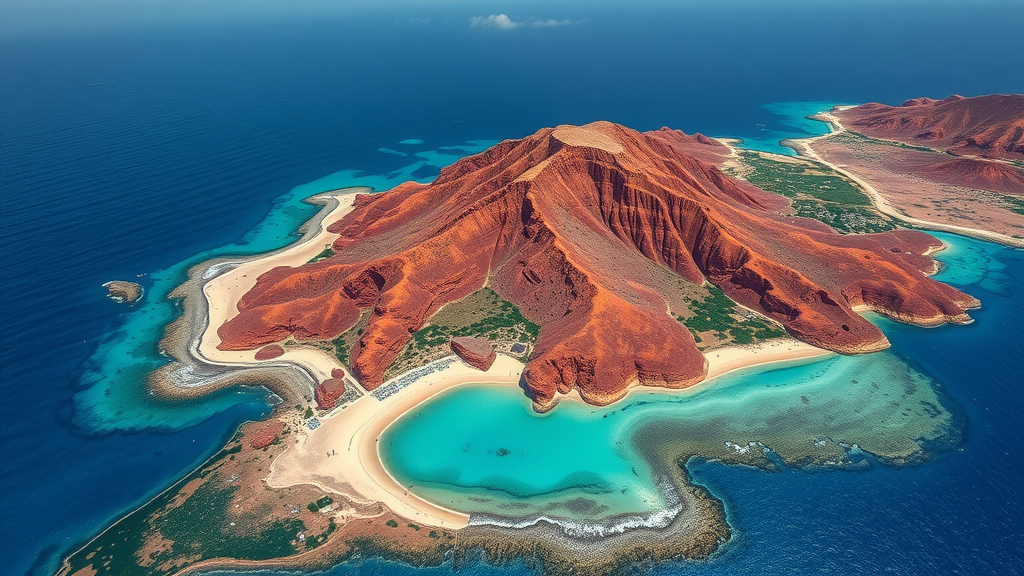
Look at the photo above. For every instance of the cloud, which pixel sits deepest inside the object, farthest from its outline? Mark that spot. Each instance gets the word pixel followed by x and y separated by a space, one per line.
pixel 501 22
pixel 550 23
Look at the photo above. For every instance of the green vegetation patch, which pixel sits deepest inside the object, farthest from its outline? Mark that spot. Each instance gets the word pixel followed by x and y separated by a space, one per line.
pixel 1014 204
pixel 818 192
pixel 344 343
pixel 719 315
pixel 482 314
pixel 318 539
pixel 196 526
pixel 328 251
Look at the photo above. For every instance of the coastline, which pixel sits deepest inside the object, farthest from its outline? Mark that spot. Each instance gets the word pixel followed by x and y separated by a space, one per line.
pixel 358 473
pixel 353 430
pixel 195 370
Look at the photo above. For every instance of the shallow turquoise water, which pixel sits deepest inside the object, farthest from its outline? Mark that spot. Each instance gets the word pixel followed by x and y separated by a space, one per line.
pixel 483 450
pixel 793 118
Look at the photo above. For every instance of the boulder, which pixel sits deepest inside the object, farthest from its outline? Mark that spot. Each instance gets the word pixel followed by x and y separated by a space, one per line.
pixel 476 352
pixel 328 392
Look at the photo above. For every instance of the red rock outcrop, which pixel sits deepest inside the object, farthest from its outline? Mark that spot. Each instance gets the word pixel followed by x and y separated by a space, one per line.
pixel 264 434
pixel 328 392
pixel 476 352
pixel 270 352
pixel 990 126
pixel 588 229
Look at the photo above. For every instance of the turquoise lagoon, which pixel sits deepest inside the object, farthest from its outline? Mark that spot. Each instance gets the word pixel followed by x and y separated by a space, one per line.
pixel 482 450
pixel 793 122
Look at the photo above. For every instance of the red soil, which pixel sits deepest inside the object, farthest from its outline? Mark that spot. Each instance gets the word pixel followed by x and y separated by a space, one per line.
pixel 476 352
pixel 264 433
pixel 978 174
pixel 990 126
pixel 567 224
pixel 696 146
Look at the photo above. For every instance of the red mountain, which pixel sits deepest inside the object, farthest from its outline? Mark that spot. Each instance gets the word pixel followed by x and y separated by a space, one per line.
pixel 990 126
pixel 590 231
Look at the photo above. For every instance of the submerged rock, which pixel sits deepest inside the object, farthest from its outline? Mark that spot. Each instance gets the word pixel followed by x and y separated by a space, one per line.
pixel 123 292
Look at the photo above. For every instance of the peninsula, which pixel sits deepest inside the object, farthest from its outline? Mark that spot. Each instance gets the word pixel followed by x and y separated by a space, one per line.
pixel 581 263
pixel 955 164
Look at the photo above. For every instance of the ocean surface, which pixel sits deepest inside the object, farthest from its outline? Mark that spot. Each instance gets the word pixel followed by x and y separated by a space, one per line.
pixel 136 150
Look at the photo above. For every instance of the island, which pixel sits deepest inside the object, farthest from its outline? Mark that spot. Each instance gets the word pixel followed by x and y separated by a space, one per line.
pixel 581 264
pixel 123 292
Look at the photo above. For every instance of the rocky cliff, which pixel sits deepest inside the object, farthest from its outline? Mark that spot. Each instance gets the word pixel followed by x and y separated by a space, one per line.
pixel 588 229
pixel 990 126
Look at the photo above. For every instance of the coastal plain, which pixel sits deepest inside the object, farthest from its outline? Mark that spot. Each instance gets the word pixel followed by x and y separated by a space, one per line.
pixel 314 485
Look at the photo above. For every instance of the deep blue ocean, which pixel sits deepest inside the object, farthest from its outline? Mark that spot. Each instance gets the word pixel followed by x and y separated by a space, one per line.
pixel 130 149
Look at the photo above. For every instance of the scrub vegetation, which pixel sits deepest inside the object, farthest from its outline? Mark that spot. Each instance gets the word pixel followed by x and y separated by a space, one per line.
pixel 482 314
pixel 817 192
pixel 327 252
pixel 717 320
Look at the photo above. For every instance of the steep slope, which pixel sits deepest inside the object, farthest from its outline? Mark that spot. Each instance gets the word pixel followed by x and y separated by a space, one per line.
pixel 979 174
pixel 587 229
pixel 990 126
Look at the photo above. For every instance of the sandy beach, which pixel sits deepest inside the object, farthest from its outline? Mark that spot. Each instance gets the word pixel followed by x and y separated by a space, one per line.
pixel 341 455
pixel 223 291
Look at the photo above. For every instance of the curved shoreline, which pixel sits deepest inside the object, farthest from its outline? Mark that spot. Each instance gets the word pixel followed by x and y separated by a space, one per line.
pixel 194 371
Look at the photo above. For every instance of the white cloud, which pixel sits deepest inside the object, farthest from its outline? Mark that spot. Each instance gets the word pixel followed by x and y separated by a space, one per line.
pixel 501 22
pixel 549 23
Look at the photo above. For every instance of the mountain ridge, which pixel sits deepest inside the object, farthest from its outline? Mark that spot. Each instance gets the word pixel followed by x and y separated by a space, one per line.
pixel 589 229
pixel 990 126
